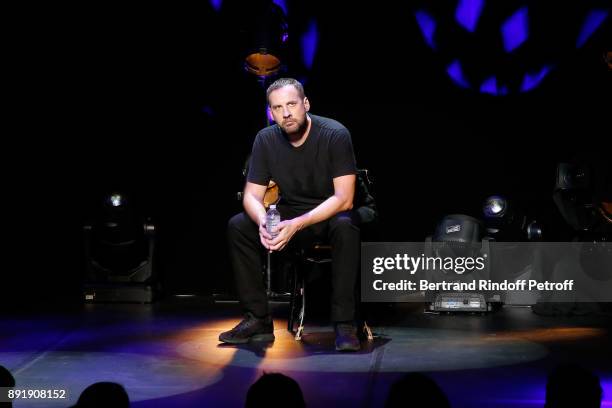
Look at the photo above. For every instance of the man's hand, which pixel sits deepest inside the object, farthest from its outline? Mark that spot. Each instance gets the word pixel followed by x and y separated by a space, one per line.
pixel 286 230
pixel 264 236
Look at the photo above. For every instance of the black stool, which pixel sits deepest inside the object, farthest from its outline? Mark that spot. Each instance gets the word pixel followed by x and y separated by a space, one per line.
pixel 317 254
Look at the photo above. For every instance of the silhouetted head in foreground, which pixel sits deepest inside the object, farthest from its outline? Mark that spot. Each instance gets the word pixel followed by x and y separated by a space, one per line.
pixel 571 385
pixel 416 390
pixel 104 394
pixel 6 380
pixel 275 390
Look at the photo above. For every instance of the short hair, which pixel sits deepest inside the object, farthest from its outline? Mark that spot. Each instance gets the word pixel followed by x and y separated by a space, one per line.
pixel 281 82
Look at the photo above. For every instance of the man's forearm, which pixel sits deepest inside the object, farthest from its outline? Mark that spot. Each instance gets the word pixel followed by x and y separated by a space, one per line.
pixel 327 209
pixel 254 208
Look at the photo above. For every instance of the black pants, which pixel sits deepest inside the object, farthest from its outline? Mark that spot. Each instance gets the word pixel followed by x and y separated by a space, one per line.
pixel 246 253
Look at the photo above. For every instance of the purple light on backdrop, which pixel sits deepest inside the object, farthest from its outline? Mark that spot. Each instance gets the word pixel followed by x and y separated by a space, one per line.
pixel 216 4
pixel 455 72
pixel 303 79
pixel 533 79
pixel 515 30
pixel 310 40
pixel 489 86
pixel 282 4
pixel 269 114
pixel 468 12
pixel 427 24
pixel 592 21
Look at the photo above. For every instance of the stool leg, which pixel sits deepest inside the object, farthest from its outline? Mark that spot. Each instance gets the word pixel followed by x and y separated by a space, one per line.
pixel 298 334
pixel 268 274
pixel 368 331
pixel 294 293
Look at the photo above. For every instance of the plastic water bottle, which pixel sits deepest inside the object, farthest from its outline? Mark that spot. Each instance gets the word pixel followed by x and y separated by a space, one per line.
pixel 272 220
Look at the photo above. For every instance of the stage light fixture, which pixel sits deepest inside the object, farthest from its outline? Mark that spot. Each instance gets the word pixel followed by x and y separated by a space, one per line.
pixel 495 206
pixel 116 200
pixel 119 250
pixel 505 221
pixel 534 231
pixel 268 35
pixel 459 236
pixel 458 228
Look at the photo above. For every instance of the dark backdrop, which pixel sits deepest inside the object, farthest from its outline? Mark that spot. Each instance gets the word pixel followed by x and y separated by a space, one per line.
pixel 153 101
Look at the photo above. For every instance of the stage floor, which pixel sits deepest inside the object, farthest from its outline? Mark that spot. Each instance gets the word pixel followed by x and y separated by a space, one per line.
pixel 168 354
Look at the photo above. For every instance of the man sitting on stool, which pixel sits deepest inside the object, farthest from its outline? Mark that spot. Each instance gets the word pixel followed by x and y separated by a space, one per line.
pixel 311 159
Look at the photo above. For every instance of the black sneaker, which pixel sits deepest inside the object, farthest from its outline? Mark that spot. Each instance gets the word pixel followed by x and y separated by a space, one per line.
pixel 251 328
pixel 346 337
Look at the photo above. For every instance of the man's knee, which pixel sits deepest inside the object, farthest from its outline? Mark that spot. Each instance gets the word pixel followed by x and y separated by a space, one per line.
pixel 239 223
pixel 344 222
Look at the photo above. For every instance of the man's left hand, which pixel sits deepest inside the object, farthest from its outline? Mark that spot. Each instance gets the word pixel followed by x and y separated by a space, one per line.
pixel 286 231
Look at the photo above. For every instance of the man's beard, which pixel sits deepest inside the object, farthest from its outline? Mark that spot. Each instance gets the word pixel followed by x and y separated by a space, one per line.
pixel 298 130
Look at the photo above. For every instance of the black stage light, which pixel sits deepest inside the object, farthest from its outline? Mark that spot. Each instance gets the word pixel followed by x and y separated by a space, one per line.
pixel 116 200
pixel 495 207
pixel 573 196
pixel 583 195
pixel 119 251
pixel 534 231
pixel 458 237
pixel 505 222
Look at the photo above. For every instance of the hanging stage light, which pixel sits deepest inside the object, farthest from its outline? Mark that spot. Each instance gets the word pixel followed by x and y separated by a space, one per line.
pixel 267 35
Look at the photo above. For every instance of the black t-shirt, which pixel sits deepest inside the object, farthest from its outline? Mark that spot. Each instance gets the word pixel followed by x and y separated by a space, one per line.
pixel 305 173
